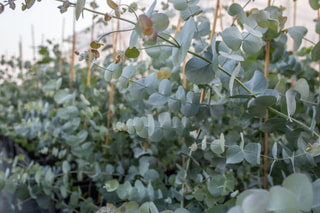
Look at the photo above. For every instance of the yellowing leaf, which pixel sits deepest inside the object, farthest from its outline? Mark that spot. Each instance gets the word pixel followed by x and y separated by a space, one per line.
pixel 112 4
pixel 95 45
pixel 164 74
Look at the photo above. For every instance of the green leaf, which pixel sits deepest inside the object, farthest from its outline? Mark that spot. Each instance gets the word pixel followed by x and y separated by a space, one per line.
pixel 258 83
pixel 116 69
pixel 282 200
pixel 151 8
pixel 74 199
pixel 246 193
pixel 262 18
pixel 252 153
pixel 148 207
pixel 217 146
pixel 129 207
pixel 291 102
pixel 252 44
pixel 22 192
pixel 199 71
pixel 215 62
pixel 273 125
pixel 132 52
pixel 165 87
pixel 160 21
pixel 156 99
pixel 180 4
pixel 112 185
pixel 84 100
pixel 181 210
pixel 151 125
pixel 236 10
pixel 65 167
pixel 234 74
pixel 53 84
pixel 315 4
pixel 191 11
pixel 232 37
pixel 297 33
pixel 68 112
pixel 316 190
pixel 234 155
pixel 235 209
pixel 255 203
pixel 252 31
pixel 79 7
pixel 38 175
pixel 302 87
pixel 49 177
pixel 63 96
pixel 138 123
pixel 193 108
pixel 315 53
pixel 184 38
pixel 301 186
pixel 44 201
pixel 257 106
pixel 2 180
pixel 318 27
pixel 107 75
pixel 233 56
pixel 165 120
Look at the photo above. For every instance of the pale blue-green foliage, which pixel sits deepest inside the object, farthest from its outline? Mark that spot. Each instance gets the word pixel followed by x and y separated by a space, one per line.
pixel 179 154
pixel 297 194
pixel 229 53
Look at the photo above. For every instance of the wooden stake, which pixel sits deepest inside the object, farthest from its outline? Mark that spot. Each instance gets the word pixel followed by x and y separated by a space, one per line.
pixel 21 65
pixel 266 136
pixel 71 73
pixel 33 43
pixel 90 55
pixel 178 27
pixel 215 20
pixel 221 19
pixel 115 43
pixel 61 47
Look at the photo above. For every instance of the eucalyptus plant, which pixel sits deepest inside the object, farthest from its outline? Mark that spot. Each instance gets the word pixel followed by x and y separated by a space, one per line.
pixel 188 124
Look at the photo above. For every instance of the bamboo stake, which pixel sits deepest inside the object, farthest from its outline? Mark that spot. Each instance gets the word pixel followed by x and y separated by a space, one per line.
pixel 89 63
pixel 90 55
pixel 221 20
pixel 294 24
pixel 71 74
pixel 21 65
pixel 215 17
pixel 215 20
pixel 115 42
pixel 33 43
pixel 266 136
pixel 61 49
pixel 178 27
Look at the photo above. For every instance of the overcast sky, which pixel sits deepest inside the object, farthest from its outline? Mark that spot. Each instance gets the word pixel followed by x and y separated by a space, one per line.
pixel 45 19
pixel 47 22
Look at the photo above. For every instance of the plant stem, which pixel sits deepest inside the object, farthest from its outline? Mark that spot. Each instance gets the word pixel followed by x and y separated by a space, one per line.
pixel 294 120
pixel 186 171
